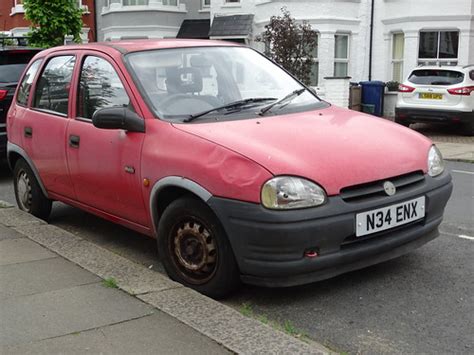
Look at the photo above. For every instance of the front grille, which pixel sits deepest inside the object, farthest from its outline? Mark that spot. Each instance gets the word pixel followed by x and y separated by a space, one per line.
pixel 3 129
pixel 361 192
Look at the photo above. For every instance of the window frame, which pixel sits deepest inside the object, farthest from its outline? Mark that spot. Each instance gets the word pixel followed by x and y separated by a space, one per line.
pixel 119 73
pixel 394 60
pixel 342 60
pixel 203 4
pixel 33 83
pixel 71 83
pixel 438 60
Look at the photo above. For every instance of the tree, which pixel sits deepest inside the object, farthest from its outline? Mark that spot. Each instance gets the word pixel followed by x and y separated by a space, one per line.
pixel 52 20
pixel 290 44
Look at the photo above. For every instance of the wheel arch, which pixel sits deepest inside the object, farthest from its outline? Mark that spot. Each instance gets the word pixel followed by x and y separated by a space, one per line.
pixel 14 153
pixel 169 189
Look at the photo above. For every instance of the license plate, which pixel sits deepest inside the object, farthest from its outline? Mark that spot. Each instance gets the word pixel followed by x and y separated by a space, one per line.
pixel 431 96
pixel 389 217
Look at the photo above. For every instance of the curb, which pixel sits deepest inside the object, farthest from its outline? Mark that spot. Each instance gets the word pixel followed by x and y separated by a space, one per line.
pixel 215 320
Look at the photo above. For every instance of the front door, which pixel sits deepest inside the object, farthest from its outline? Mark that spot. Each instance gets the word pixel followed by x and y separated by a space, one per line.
pixel 105 163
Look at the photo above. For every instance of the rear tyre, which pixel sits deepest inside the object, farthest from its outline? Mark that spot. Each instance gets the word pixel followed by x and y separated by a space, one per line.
pixel 28 193
pixel 194 248
pixel 468 129
pixel 402 122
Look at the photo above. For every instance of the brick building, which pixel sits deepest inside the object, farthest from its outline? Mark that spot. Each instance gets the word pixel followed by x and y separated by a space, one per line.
pixel 13 23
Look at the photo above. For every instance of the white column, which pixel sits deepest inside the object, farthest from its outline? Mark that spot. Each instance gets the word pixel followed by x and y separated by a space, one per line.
pixel 410 60
pixel 326 54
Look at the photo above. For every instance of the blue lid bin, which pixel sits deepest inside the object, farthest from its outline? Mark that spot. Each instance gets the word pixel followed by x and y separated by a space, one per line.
pixel 372 97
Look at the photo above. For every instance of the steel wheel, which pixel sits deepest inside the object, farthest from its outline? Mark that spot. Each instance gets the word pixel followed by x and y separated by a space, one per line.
pixel 29 196
pixel 25 195
pixel 193 250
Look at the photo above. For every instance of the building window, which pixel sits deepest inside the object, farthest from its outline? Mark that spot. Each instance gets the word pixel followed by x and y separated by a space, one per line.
pixel 341 55
pixel 438 47
pixel 134 2
pixel 398 49
pixel 231 1
pixel 206 3
pixel 315 69
pixel 170 2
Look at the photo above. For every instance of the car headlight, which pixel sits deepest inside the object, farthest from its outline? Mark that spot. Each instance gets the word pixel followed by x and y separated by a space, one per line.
pixel 435 162
pixel 288 192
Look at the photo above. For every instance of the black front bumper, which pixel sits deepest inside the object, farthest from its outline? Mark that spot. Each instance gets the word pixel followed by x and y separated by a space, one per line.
pixel 269 245
pixel 434 116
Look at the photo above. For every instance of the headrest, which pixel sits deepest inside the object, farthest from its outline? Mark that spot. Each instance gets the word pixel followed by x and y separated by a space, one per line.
pixel 183 80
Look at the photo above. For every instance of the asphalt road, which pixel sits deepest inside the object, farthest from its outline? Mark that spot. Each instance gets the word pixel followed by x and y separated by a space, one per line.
pixel 419 303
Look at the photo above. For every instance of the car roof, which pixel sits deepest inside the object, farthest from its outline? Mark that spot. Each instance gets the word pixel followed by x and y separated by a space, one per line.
pixel 127 46
pixel 444 67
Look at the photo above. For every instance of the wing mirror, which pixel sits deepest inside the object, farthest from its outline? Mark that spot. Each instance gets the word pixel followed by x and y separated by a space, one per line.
pixel 118 118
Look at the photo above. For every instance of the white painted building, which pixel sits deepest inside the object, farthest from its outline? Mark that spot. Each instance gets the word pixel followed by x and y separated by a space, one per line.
pixel 406 33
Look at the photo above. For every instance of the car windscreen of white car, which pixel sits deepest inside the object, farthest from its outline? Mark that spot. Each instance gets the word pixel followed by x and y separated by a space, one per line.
pixel 436 77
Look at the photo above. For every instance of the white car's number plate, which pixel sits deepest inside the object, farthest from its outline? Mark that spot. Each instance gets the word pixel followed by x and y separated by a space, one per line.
pixel 389 217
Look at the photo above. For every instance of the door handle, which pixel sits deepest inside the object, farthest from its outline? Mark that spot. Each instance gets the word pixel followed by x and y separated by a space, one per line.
pixel 28 131
pixel 74 141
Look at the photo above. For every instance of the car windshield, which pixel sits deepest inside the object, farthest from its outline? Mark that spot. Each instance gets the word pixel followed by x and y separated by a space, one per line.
pixel 209 81
pixel 436 77
pixel 11 73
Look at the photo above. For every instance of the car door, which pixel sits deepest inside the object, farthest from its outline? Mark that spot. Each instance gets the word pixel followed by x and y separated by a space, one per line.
pixel 104 163
pixel 44 124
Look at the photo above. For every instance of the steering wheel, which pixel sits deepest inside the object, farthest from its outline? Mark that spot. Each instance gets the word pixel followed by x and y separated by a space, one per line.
pixel 174 99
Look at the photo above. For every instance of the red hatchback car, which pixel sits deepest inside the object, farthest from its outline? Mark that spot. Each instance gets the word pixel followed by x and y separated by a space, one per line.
pixel 237 169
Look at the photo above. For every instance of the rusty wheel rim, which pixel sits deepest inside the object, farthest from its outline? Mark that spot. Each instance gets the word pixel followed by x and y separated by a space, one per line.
pixel 194 251
pixel 23 187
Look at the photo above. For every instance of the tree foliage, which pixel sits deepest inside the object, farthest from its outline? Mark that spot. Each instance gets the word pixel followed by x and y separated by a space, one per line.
pixel 51 20
pixel 290 44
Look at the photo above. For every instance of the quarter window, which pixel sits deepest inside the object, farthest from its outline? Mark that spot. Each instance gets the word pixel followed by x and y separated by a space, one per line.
pixel 341 55
pixel 25 85
pixel 99 87
pixel 52 88
pixel 438 47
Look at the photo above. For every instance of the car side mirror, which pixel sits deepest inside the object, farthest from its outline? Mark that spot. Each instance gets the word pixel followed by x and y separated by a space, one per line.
pixel 118 118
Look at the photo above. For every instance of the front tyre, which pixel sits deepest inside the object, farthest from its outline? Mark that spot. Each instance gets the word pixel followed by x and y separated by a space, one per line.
pixel 28 193
pixel 195 250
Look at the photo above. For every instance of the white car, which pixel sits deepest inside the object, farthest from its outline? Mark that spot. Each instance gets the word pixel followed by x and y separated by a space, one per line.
pixel 439 95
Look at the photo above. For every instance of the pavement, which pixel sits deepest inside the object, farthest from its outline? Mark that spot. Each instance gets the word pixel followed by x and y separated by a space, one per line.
pixel 54 299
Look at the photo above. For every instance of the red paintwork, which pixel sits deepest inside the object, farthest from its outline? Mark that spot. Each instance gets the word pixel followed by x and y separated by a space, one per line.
pixel 333 147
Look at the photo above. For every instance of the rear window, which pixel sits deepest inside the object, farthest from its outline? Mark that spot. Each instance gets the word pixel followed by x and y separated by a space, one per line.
pixel 436 77
pixel 11 73
pixel 16 56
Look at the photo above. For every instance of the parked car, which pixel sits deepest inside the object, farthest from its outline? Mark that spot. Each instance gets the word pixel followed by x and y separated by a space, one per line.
pixel 13 60
pixel 238 170
pixel 438 95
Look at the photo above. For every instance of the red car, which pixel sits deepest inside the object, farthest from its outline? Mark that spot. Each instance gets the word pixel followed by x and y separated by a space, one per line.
pixel 237 169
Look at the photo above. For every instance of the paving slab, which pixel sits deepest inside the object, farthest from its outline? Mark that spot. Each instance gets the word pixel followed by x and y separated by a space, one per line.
pixel 41 276
pixel 457 151
pixel 22 250
pixel 8 233
pixel 65 311
pixel 239 334
pixel 155 334
pixel 14 217
pixel 130 276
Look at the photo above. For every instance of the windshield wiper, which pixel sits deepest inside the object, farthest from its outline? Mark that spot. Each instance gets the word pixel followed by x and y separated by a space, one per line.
pixel 235 104
pixel 288 97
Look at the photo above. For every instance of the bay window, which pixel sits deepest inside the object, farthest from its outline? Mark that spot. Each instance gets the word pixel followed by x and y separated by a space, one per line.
pixel 341 55
pixel 398 49
pixel 438 47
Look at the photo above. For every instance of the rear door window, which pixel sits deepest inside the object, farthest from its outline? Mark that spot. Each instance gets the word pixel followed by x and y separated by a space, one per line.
pixel 52 87
pixel 25 85
pixel 436 77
